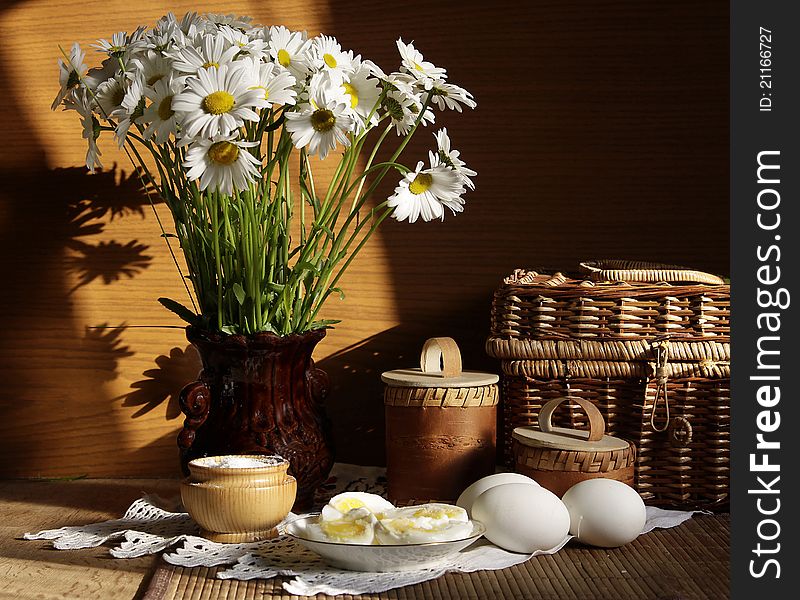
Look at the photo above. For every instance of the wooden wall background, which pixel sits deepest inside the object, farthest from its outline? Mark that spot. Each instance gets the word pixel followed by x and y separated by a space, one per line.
pixel 601 131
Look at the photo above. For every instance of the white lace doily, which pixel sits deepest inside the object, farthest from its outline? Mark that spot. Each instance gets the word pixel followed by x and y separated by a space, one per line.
pixel 147 529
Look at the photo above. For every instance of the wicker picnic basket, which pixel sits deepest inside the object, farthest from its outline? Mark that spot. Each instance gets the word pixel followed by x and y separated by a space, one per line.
pixel 648 344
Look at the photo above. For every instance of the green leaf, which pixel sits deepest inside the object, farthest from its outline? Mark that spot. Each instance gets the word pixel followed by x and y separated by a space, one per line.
pixel 323 323
pixel 306 266
pixel 169 235
pixel 229 329
pixel 339 291
pixel 179 309
pixel 238 291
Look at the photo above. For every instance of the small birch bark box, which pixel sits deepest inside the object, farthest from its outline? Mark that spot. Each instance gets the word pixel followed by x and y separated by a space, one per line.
pixel 558 458
pixel 441 425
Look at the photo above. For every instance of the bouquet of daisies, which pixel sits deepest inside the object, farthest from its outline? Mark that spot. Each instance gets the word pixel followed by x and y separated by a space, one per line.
pixel 230 115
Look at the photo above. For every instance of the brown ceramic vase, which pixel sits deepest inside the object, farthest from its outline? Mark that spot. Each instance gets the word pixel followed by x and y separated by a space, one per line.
pixel 259 394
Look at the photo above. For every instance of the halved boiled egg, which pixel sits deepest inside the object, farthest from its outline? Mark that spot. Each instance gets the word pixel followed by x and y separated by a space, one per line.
pixel 424 523
pixel 341 504
pixel 434 512
pixel 357 526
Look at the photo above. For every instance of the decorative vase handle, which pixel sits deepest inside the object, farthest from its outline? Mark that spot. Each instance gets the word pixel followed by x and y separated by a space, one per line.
pixel 195 401
pixel 318 383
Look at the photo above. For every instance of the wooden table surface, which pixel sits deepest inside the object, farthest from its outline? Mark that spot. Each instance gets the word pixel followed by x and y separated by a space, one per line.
pixel 686 562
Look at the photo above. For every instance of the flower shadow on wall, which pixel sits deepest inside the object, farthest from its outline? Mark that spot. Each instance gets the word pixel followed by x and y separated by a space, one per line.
pixel 51 361
pixel 106 260
pixel 163 384
pixel 104 345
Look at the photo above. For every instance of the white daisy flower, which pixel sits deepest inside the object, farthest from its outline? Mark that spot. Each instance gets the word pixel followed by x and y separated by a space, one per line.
pixel 152 66
pixel 363 92
pixel 451 158
pixel 252 47
pixel 221 164
pixel 169 31
pixel 217 101
pixel 163 37
pixel 231 20
pixel 130 109
pixel 274 83
pixel 69 74
pixel 402 82
pixel 79 101
pixel 108 69
pixel 121 44
pixel 374 69
pixel 168 21
pixel 414 62
pixel 328 56
pixel 190 24
pixel 161 119
pixel 426 192
pixel 322 122
pixel 403 110
pixel 259 33
pixel 109 95
pixel 291 50
pixel 448 95
pixel 213 50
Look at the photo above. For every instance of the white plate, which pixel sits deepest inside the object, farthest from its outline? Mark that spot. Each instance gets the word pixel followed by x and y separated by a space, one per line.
pixel 376 558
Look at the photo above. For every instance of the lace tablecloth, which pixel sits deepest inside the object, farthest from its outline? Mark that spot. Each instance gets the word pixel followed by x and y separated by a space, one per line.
pixel 148 527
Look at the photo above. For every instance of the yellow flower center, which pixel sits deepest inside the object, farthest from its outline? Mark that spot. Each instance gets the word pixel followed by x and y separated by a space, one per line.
pixel 210 64
pixel 223 153
pixel 218 103
pixel 329 60
pixel 283 58
pixel 322 120
pixel 352 92
pixel 422 183
pixel 165 111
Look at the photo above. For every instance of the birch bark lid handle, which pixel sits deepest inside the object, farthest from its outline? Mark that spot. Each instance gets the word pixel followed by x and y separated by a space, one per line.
pixel 597 425
pixel 440 355
pixel 645 272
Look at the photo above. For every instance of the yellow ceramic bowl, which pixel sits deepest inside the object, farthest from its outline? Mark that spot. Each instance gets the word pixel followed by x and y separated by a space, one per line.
pixel 238 504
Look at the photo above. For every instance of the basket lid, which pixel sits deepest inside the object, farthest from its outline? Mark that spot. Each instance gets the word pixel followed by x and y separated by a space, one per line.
pixel 561 438
pixel 440 367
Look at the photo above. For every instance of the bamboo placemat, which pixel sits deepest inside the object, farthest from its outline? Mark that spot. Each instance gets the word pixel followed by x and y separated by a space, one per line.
pixel 687 562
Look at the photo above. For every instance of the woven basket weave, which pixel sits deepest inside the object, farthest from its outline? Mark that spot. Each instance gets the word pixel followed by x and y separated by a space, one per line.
pixel 653 357
pixel 533 305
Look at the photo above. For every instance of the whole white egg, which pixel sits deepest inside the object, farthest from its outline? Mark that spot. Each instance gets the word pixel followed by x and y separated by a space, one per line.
pixel 468 496
pixel 521 517
pixel 604 512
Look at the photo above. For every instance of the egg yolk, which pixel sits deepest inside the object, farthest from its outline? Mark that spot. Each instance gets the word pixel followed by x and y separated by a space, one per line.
pixel 437 513
pixel 343 529
pixel 345 505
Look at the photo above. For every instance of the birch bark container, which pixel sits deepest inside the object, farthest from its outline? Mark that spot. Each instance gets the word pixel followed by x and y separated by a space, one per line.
pixel 441 425
pixel 558 457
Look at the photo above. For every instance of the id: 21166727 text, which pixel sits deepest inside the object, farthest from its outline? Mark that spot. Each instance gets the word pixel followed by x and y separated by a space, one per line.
pixel 765 62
